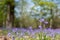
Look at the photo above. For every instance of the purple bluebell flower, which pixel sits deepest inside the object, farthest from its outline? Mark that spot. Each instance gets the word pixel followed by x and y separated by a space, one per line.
pixel 9 34
pixel 45 22
pixel 30 27
pixel 53 34
pixel 28 32
pixel 40 27
pixel 41 20
pixel 33 33
pixel 15 30
pixel 45 30
pixel 57 31
pixel 23 30
pixel 37 30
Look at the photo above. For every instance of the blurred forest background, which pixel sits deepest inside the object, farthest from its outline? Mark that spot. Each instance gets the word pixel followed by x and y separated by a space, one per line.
pixel 26 13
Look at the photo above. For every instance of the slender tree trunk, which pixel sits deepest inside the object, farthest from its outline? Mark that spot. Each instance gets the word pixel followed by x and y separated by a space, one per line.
pixel 8 22
pixel 10 15
pixel 51 20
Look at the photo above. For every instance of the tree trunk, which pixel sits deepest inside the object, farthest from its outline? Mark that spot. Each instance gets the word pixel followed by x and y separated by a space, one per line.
pixel 10 15
pixel 8 22
pixel 51 20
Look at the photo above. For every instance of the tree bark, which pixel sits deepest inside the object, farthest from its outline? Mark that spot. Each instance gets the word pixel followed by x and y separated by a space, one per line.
pixel 10 15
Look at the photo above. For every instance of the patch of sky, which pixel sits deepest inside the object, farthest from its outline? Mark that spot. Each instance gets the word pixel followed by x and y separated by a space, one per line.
pixel 48 15
pixel 17 12
pixel 59 6
pixel 31 4
pixel 37 8
pixel 16 0
pixel 57 1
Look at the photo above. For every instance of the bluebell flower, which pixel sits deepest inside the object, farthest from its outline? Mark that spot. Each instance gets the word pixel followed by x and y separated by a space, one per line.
pixel 9 34
pixel 30 27
pixel 41 20
pixel 40 27
pixel 57 31
pixel 15 30
pixel 45 22
pixel 33 33
pixel 28 32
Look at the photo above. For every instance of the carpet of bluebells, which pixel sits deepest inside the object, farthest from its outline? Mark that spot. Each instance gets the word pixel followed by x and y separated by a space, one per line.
pixel 32 34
